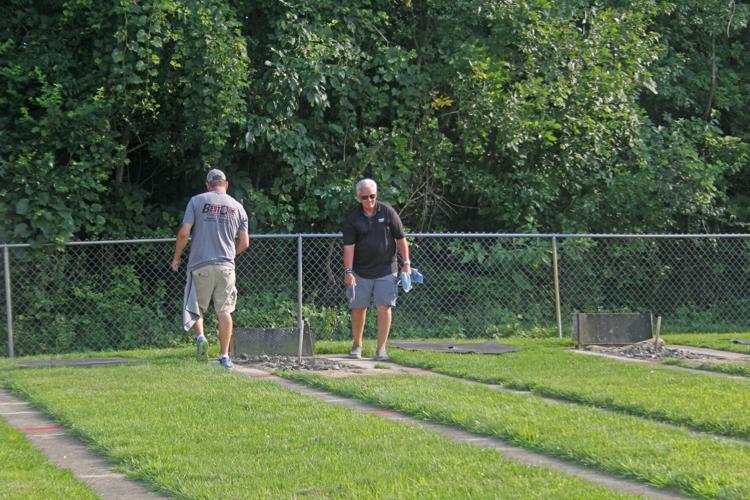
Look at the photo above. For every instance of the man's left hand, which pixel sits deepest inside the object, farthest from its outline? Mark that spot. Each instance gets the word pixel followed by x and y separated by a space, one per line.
pixel 175 263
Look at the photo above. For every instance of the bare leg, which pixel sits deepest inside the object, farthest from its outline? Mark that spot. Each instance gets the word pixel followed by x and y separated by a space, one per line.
pixel 225 332
pixel 359 315
pixel 384 324
pixel 198 327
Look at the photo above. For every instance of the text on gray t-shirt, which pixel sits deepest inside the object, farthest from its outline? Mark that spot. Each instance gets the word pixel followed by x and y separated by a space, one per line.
pixel 216 219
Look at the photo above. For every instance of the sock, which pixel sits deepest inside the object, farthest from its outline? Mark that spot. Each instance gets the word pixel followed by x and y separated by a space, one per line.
pixel 200 337
pixel 224 356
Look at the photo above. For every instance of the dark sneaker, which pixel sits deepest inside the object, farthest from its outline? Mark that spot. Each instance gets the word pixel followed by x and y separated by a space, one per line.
pixel 226 363
pixel 381 355
pixel 356 352
pixel 201 349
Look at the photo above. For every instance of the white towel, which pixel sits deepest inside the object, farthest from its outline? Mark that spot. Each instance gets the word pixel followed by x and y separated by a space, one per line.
pixel 190 308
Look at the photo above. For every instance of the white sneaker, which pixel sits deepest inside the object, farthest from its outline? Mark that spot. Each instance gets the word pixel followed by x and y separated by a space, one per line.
pixel 381 355
pixel 356 352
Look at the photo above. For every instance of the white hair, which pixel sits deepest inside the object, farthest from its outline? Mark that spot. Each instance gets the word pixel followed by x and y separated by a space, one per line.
pixel 366 183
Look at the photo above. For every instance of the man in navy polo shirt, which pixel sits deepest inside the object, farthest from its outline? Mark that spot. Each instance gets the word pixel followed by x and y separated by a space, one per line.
pixel 372 234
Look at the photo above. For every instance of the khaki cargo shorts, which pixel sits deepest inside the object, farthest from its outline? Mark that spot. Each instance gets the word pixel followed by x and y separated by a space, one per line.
pixel 216 281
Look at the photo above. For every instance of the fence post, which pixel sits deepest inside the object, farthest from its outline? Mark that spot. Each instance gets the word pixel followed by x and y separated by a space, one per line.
pixel 8 306
pixel 300 321
pixel 556 280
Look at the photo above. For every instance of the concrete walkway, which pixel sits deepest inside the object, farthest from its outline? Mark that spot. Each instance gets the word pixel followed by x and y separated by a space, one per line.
pixel 728 355
pixel 68 452
pixel 510 451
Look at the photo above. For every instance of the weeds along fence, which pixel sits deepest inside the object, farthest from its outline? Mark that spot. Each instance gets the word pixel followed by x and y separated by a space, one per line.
pixel 122 294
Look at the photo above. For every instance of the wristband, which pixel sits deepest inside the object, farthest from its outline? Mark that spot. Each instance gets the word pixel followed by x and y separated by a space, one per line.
pixel 407 263
pixel 348 270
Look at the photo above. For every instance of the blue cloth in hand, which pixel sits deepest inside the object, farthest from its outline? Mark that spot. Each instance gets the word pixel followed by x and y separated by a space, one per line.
pixel 408 279
pixel 405 282
pixel 416 276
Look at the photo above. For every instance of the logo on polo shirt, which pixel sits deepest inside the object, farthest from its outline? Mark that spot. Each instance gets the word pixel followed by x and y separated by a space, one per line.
pixel 381 220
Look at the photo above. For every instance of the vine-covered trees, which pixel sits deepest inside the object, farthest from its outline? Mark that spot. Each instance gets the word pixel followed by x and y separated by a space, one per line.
pixel 105 105
pixel 479 115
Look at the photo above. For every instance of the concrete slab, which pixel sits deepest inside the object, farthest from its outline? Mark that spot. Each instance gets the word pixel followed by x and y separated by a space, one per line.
pixel 455 347
pixel 611 328
pixel 368 366
pixel 728 355
pixel 68 452
pixel 35 363
pixel 285 341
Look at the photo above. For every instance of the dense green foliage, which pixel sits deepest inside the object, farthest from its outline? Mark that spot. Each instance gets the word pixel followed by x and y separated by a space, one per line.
pixel 515 115
pixel 477 115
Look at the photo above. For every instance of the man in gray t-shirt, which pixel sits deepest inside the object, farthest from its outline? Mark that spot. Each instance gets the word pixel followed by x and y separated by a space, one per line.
pixel 215 219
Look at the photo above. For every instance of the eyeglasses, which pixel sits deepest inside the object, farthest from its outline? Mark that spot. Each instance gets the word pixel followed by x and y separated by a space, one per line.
pixel 368 197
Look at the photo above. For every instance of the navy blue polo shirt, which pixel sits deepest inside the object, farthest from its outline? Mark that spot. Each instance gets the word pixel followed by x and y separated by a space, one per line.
pixel 374 239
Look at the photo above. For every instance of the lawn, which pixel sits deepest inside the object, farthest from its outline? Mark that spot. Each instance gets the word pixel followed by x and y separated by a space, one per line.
pixel 702 402
pixel 196 431
pixel 660 454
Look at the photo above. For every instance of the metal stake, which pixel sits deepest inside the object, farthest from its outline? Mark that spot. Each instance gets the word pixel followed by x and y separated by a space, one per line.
pixel 300 321
pixel 8 306
pixel 556 281
pixel 658 331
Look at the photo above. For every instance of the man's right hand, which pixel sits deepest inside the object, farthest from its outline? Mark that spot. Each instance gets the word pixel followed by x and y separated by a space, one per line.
pixel 175 263
pixel 350 280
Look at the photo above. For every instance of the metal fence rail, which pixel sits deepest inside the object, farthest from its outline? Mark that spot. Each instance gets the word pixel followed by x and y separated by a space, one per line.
pixel 122 294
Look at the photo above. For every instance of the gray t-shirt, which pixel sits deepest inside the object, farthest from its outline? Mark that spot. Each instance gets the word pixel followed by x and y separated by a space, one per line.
pixel 216 219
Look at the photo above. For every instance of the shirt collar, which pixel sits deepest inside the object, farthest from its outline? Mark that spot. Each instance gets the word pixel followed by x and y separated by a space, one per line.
pixel 377 210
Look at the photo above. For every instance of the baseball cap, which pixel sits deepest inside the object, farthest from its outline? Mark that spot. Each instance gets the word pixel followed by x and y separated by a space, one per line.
pixel 215 175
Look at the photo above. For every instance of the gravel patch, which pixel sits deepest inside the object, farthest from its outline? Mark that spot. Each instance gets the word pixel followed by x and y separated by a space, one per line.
pixel 273 362
pixel 649 349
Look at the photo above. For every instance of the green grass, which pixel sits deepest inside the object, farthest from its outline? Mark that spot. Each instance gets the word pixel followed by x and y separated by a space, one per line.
pixel 720 341
pixel 741 369
pixel 26 473
pixel 146 354
pixel 656 453
pixel 711 404
pixel 197 431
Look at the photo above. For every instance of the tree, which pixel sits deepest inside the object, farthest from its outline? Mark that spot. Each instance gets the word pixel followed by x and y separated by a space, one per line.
pixel 99 98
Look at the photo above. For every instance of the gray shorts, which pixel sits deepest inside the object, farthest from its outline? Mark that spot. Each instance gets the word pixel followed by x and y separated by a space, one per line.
pixel 384 289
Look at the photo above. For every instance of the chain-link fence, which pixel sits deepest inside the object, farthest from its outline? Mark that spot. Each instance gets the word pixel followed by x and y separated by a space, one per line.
pixel 122 295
